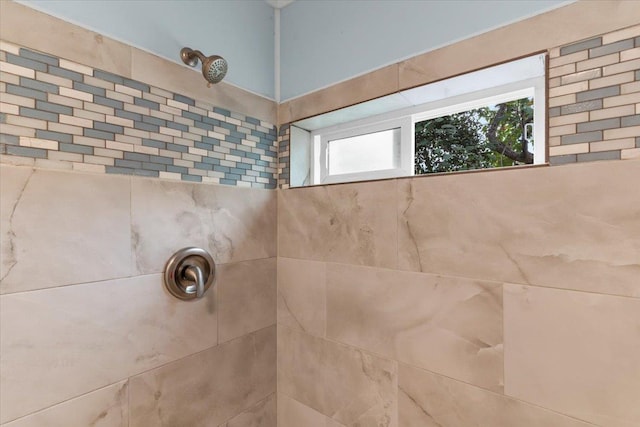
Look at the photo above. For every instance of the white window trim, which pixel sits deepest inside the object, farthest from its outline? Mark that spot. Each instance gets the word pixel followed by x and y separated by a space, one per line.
pixel 522 78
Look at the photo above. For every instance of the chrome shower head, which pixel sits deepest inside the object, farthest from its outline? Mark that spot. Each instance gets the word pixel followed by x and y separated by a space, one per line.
pixel 214 67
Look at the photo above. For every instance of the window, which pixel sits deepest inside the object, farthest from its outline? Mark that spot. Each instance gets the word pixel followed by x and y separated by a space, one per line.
pixel 489 118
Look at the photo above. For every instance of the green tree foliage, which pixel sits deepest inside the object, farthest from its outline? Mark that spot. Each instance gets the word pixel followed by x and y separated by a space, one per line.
pixel 482 138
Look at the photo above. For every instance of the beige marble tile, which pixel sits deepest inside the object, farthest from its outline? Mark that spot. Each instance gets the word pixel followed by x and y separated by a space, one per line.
pixel 106 407
pixel 207 388
pixel 60 343
pixel 57 37
pixel 246 297
pixel 262 414
pixel 426 399
pixel 348 385
pixel 574 352
pixel 233 224
pixel 292 413
pixel 302 295
pixel 300 367
pixel 573 227
pixel 181 79
pixel 350 223
pixel 61 228
pixel 452 326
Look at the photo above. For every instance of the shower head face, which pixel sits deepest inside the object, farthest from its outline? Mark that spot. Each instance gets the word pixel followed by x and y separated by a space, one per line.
pixel 214 68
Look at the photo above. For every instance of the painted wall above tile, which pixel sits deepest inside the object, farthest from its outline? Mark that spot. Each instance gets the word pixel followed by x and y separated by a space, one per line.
pixel 239 31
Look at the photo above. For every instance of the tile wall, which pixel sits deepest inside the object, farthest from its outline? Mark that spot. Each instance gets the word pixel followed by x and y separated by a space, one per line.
pixel 594 98
pixel 98 150
pixel 58 113
pixel 88 330
pixel 500 298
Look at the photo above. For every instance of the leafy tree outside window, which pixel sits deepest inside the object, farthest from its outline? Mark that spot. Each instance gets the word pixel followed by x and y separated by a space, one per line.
pixel 487 137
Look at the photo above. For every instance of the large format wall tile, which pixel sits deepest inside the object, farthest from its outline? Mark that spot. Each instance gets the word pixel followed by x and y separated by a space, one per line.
pixel 426 399
pixel 348 385
pixel 262 414
pixel 61 228
pixel 574 352
pixel 302 295
pixel 246 297
pixel 233 224
pixel 452 326
pixel 292 413
pixel 207 388
pixel 60 343
pixel 574 227
pixel 350 223
pixel 106 407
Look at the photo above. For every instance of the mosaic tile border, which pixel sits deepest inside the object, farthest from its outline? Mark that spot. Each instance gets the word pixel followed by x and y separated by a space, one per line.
pixel 283 157
pixel 54 110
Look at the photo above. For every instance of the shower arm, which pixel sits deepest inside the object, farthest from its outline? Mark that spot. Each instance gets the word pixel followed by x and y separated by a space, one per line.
pixel 190 56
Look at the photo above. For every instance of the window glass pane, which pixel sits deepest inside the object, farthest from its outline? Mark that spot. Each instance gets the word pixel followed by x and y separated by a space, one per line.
pixel 488 137
pixel 369 152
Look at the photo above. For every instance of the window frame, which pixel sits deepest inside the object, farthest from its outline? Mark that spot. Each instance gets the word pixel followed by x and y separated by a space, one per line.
pixel 505 82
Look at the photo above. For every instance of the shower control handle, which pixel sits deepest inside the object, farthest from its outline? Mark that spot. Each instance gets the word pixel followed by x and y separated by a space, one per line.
pixel 194 273
pixel 189 273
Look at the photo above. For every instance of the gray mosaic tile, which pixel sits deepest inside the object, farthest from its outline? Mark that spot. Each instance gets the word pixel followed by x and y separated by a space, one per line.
pixel 579 107
pixel 37 85
pixel 154 121
pixel 581 137
pixel 40 57
pixel 583 45
pixel 9 139
pixel 631 120
pixel 638 142
pixel 28 93
pixel 222 111
pixel 145 172
pixel 67 74
pixel 75 148
pixel 191 178
pixel 154 143
pixel 54 108
pixel 177 169
pixel 37 114
pixel 253 121
pixel 611 48
pixel 93 133
pixel 177 126
pixel 129 115
pixel 153 166
pixel 146 126
pixel 83 87
pixel 160 160
pixel 128 164
pixel 119 170
pixel 192 116
pixel 36 153
pixel 603 155
pixel 137 157
pixel 177 147
pixel 553 112
pixel 25 62
pixel 108 76
pixel 53 136
pixel 145 103
pixel 108 102
pixel 136 85
pixel 108 127
pixel 598 93
pixel 227 181
pixel 599 125
pixel 183 99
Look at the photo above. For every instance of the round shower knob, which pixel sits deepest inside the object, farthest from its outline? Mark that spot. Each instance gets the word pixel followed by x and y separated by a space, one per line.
pixel 189 273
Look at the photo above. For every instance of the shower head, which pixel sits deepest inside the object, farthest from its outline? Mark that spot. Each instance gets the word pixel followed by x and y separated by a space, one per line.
pixel 214 67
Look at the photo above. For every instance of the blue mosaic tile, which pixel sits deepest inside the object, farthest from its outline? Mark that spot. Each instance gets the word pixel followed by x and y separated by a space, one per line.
pixel 37 114
pixel 146 126
pixel 54 108
pixel 108 102
pixel 103 75
pixel 28 93
pixel 75 148
pixel 9 139
pixel 146 103
pixel 119 170
pixel 89 88
pixel 222 111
